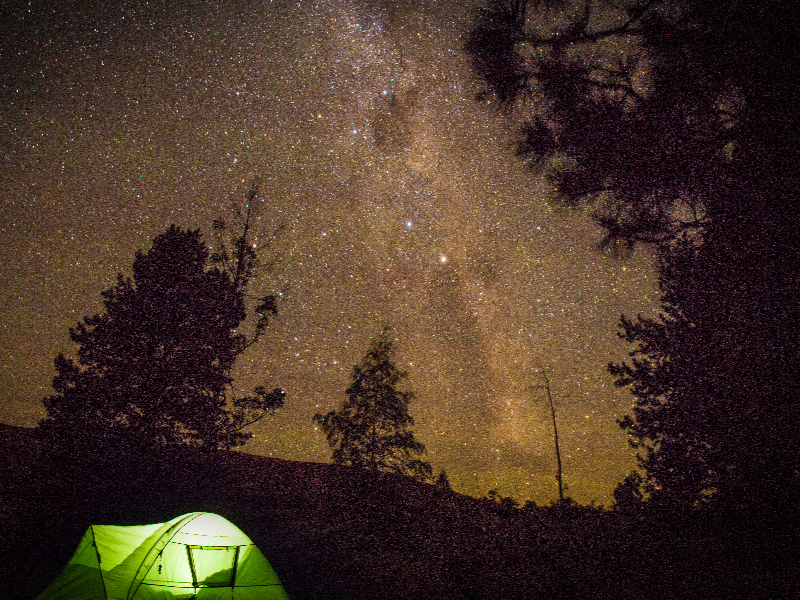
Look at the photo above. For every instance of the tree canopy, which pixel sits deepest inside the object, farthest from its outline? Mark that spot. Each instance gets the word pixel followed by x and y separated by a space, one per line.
pixel 649 110
pixel 373 428
pixel 676 123
pixel 155 368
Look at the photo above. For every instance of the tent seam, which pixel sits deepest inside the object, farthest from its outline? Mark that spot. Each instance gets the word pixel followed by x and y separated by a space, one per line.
pixel 99 562
pixel 174 529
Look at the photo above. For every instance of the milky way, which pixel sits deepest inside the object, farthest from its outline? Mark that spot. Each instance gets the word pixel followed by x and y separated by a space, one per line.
pixel 396 198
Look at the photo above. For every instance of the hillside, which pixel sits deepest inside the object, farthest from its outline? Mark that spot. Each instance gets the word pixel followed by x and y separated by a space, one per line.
pixel 339 533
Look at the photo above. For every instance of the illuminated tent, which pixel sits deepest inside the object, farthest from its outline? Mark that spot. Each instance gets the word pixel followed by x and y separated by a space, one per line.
pixel 198 555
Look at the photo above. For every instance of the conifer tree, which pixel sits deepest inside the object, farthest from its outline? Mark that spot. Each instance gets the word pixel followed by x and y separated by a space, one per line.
pixel 672 120
pixel 154 369
pixel 373 428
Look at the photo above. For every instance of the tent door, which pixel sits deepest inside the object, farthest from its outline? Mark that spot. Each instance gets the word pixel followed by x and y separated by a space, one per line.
pixel 213 566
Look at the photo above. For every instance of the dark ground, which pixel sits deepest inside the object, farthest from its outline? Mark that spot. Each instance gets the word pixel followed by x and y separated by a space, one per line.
pixel 338 533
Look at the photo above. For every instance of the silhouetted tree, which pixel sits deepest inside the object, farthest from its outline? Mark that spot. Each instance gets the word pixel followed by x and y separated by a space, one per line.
pixel 676 122
pixel 715 383
pixel 507 502
pixel 648 110
pixel 373 428
pixel 628 496
pixel 155 368
pixel 443 481
pixel 546 388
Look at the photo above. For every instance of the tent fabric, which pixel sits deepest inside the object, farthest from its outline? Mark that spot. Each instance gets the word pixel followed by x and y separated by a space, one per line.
pixel 197 556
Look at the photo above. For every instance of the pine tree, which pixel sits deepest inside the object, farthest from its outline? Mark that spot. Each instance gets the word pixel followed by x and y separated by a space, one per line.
pixel 154 370
pixel 715 381
pixel 674 121
pixel 373 428
pixel 443 481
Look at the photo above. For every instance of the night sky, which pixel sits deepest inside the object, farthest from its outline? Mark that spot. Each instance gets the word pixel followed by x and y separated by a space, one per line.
pixel 399 200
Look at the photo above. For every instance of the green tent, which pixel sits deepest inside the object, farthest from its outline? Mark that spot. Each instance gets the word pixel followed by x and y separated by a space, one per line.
pixel 195 556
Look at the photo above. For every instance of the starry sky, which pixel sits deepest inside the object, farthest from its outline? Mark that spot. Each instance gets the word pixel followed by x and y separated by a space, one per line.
pixel 397 199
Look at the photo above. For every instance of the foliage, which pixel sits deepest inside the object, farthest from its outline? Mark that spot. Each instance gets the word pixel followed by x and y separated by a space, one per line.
pixel 373 428
pixel 443 481
pixel 715 385
pixel 648 108
pixel 672 121
pixel 507 502
pixel 155 368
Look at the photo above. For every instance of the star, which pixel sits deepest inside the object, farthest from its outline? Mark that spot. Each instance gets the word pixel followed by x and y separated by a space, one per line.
pixel 112 138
